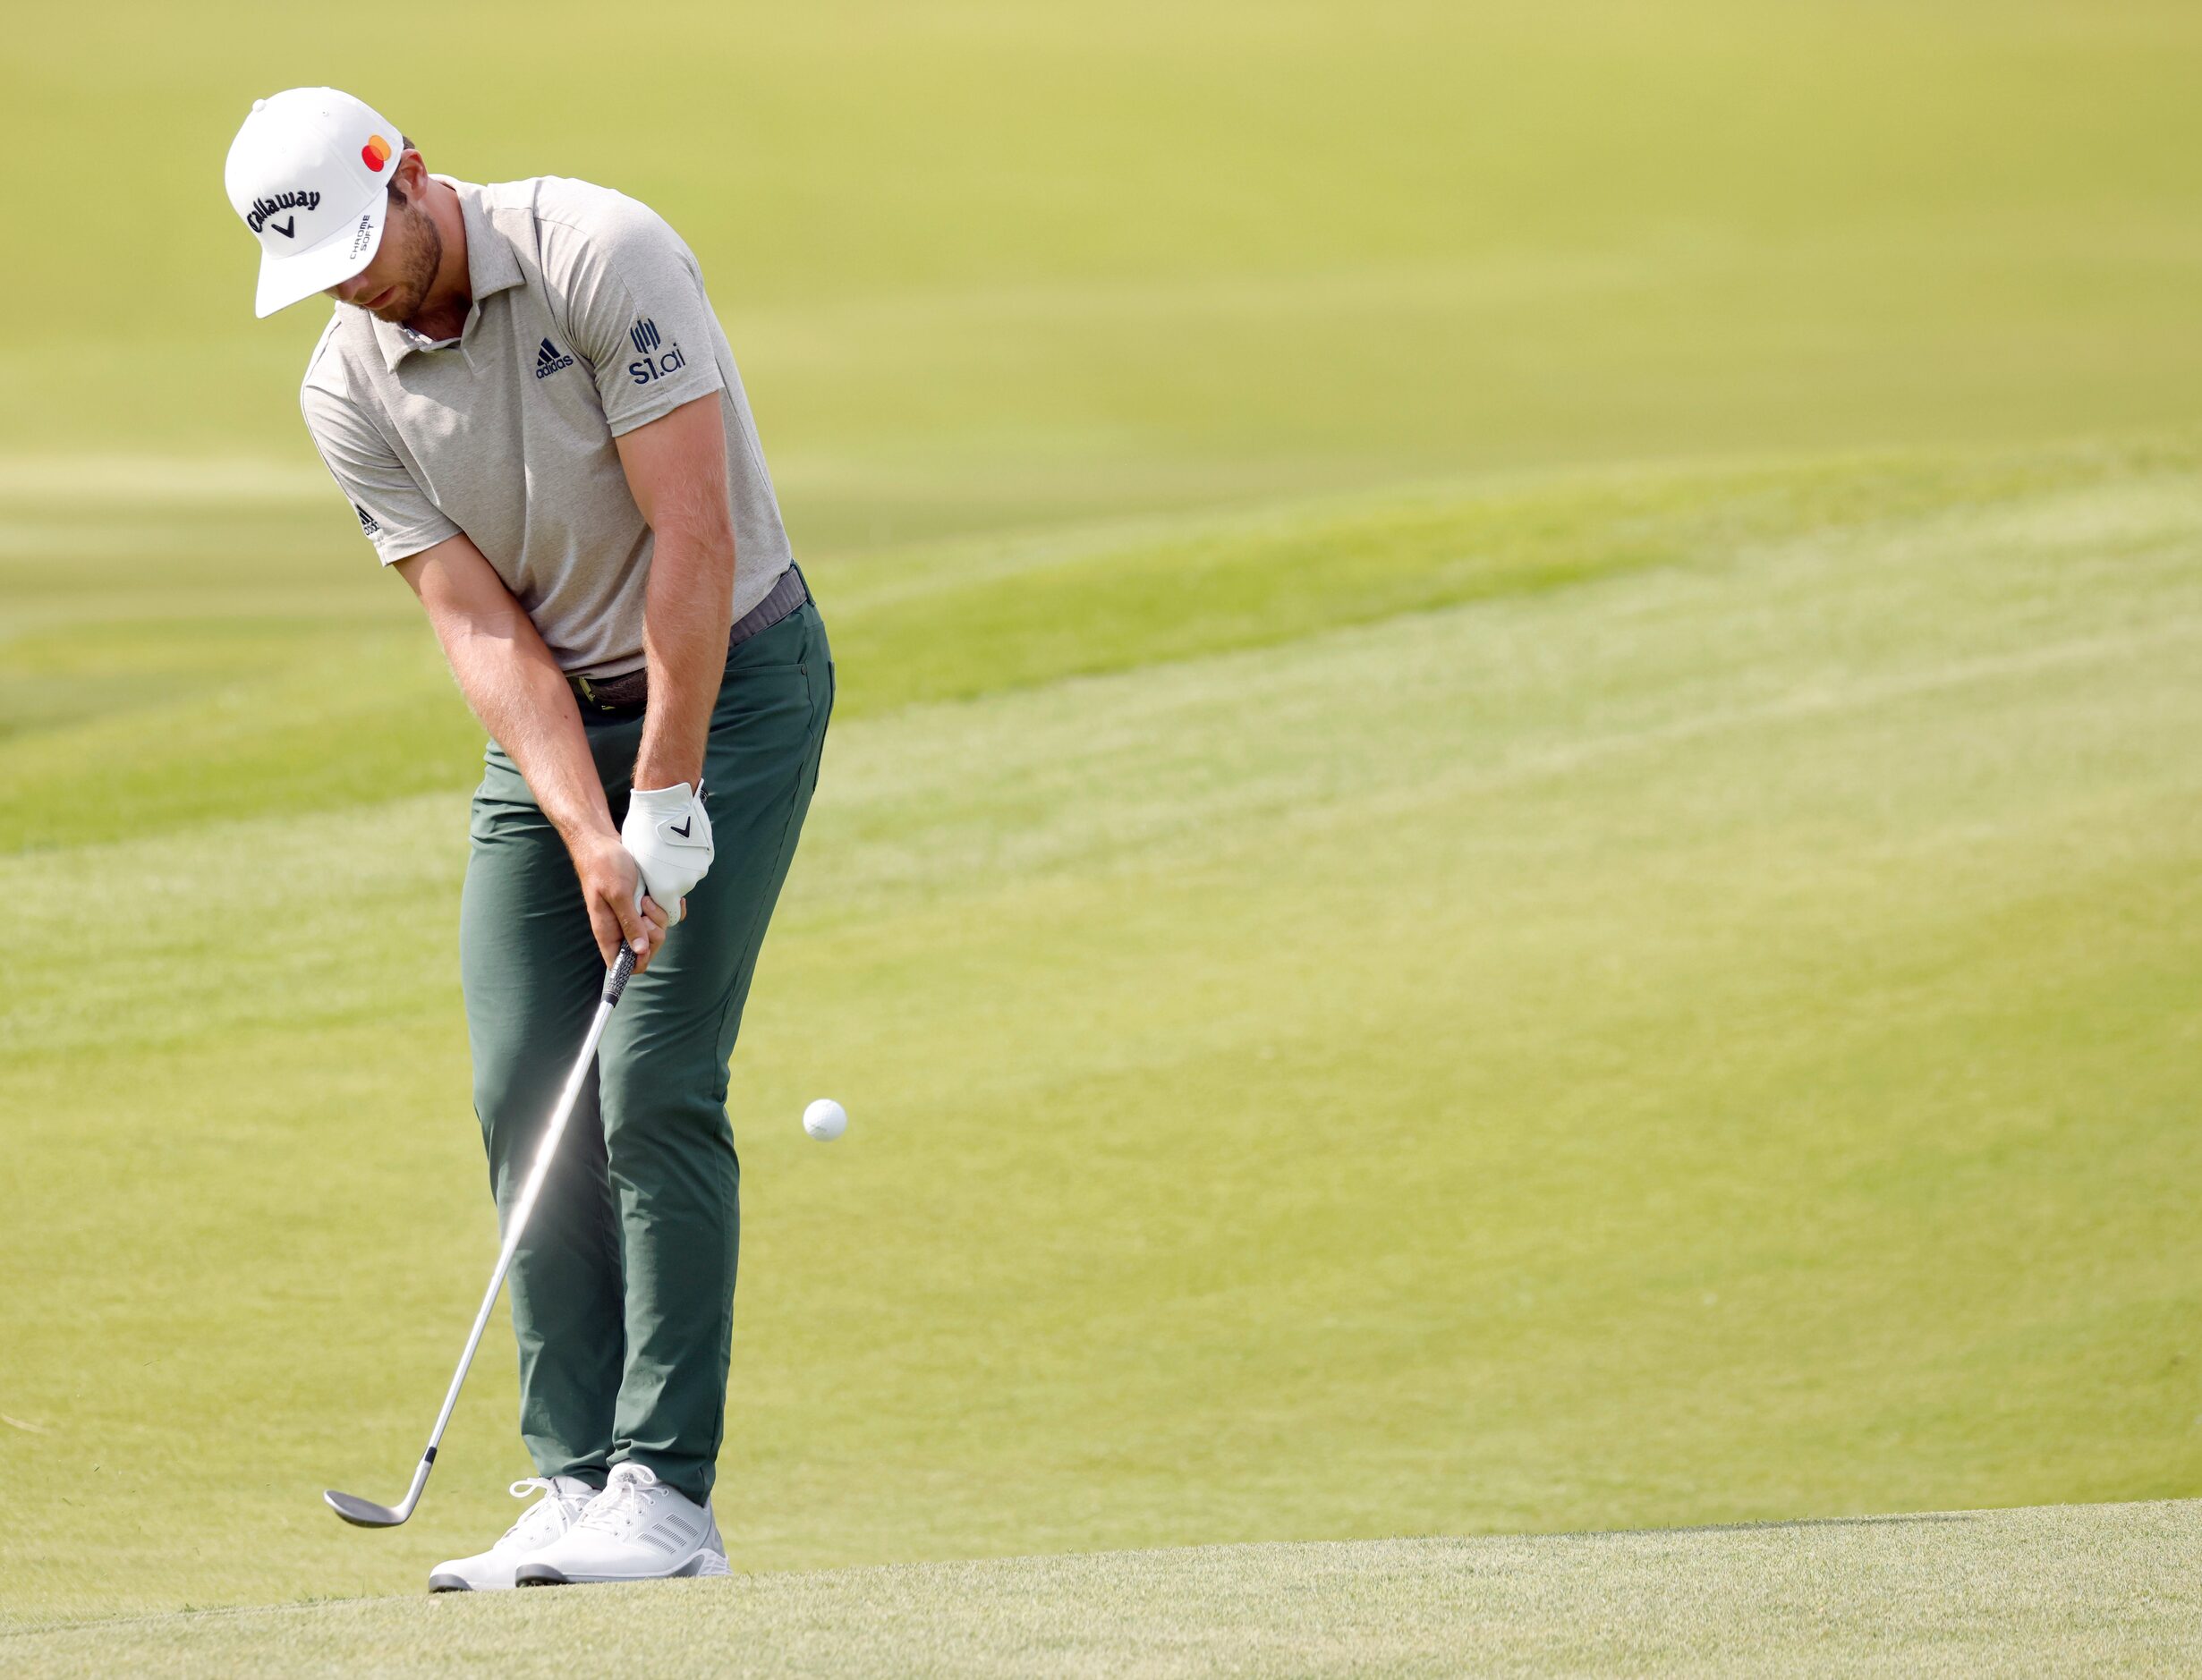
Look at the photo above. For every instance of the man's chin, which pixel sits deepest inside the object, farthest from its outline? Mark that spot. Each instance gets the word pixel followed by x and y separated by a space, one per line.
pixel 397 311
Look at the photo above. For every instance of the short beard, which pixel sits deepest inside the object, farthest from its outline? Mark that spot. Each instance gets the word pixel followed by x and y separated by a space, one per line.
pixel 422 262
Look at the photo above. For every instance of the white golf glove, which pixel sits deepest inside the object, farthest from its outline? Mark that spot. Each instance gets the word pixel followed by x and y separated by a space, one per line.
pixel 668 835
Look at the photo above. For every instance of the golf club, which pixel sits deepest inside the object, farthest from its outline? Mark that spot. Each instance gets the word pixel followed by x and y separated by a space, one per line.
pixel 366 1513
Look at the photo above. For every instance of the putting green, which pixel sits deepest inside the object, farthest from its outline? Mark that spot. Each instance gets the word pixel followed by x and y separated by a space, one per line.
pixel 2062 1590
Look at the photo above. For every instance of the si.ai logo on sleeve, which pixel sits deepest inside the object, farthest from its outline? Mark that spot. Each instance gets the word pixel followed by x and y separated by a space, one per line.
pixel 647 340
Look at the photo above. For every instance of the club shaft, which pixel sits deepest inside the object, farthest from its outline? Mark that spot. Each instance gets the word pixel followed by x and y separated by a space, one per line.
pixel 365 1513
pixel 517 1221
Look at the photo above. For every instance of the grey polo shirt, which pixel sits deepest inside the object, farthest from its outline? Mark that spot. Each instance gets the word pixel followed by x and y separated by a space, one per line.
pixel 589 319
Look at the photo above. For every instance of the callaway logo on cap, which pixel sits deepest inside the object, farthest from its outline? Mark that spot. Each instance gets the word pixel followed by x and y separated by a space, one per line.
pixel 308 172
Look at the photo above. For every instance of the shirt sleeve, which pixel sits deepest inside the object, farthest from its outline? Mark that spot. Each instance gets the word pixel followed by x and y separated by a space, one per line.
pixel 637 309
pixel 394 514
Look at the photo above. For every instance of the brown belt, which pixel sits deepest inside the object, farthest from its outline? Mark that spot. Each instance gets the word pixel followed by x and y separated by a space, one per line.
pixel 629 692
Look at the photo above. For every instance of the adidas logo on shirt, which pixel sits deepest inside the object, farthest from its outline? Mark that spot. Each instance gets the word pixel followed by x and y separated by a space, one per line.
pixel 549 359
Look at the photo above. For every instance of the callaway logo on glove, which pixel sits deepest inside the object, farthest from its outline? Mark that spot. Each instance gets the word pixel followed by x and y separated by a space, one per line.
pixel 668 835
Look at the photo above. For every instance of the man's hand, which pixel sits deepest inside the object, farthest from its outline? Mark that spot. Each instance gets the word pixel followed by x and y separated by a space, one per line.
pixel 618 909
pixel 669 833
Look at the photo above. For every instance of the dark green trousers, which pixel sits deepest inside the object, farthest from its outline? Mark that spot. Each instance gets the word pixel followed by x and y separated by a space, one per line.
pixel 623 1289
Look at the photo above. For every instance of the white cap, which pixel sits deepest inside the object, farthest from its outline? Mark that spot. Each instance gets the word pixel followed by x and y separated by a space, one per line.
pixel 308 172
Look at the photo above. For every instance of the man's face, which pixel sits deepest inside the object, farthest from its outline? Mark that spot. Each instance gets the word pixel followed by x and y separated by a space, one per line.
pixel 395 284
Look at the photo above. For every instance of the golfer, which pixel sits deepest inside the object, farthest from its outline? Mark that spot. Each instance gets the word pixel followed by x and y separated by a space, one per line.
pixel 525 396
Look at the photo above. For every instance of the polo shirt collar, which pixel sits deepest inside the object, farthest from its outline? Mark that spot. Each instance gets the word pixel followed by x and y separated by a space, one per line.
pixel 490 268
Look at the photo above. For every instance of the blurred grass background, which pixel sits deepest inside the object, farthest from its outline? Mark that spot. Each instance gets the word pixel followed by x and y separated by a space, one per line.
pixel 1512 845
pixel 998 264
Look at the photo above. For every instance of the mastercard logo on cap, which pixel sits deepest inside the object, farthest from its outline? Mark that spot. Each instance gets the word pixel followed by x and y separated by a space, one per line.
pixel 375 153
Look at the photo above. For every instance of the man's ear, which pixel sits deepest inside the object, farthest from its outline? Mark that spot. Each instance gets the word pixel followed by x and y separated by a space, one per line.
pixel 411 176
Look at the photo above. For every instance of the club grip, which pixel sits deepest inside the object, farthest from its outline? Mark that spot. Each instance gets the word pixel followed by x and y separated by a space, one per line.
pixel 615 977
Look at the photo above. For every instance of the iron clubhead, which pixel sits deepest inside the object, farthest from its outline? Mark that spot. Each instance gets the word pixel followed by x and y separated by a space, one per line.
pixel 363 1513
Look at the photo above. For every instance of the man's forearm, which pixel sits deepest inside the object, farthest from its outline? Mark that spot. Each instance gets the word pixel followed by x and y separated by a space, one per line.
pixel 516 689
pixel 687 610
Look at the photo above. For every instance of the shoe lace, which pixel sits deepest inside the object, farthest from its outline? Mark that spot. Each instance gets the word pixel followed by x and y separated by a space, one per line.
pixel 622 1505
pixel 531 1518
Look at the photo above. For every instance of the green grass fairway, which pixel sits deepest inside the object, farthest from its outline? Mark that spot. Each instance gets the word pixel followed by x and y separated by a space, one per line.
pixel 2087 1590
pixel 1685 1014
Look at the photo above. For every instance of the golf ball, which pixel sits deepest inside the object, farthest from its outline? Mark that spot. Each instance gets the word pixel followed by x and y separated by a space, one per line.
pixel 825 1119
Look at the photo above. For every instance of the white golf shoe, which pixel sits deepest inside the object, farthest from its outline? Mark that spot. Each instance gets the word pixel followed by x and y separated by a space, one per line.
pixel 565 1497
pixel 637 1529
